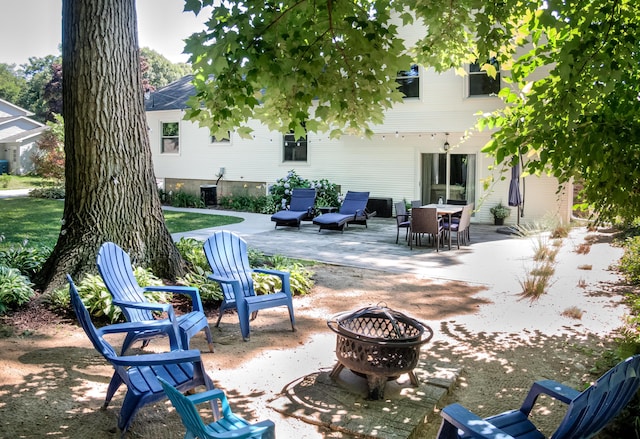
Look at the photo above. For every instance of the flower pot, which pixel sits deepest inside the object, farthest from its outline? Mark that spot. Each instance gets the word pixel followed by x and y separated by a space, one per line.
pixel 498 221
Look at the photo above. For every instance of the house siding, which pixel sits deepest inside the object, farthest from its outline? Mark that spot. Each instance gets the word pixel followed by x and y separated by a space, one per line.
pixel 387 165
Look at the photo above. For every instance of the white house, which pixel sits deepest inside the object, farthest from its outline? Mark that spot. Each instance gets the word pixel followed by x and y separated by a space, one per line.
pixel 418 153
pixel 18 136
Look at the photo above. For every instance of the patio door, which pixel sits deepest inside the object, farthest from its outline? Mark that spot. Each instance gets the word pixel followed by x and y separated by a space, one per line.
pixel 450 176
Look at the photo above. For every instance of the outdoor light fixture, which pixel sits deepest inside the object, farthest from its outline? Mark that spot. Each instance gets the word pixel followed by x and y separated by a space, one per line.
pixel 446 142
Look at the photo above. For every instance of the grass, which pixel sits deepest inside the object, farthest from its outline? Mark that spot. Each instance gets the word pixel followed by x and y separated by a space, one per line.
pixel 22 182
pixel 38 220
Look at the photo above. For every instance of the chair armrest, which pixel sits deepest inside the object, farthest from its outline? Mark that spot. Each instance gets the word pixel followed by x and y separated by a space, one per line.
pixel 470 423
pixel 224 280
pixel 235 285
pixel 179 289
pixel 151 306
pixel 257 429
pixel 167 326
pixel 208 395
pixel 126 327
pixel 552 388
pixel 172 357
pixel 281 274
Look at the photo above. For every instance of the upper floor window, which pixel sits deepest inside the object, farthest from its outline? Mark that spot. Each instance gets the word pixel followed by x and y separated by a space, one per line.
pixel 480 83
pixel 170 142
pixel 226 139
pixel 295 150
pixel 409 82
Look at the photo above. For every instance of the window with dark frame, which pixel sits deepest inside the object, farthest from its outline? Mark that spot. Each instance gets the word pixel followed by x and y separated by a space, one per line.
pixel 170 141
pixel 295 150
pixel 480 83
pixel 409 82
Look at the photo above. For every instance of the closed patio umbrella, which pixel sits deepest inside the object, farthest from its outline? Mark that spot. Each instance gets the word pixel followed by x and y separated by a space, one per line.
pixel 515 196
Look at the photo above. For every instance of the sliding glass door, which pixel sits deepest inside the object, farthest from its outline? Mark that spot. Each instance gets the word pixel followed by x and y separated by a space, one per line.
pixel 448 176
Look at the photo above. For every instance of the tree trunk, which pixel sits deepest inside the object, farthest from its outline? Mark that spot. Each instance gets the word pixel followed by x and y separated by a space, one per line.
pixel 111 192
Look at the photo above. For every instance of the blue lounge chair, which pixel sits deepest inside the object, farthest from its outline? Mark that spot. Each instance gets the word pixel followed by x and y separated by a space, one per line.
pixel 588 412
pixel 300 209
pixel 182 369
pixel 114 266
pixel 352 211
pixel 228 426
pixel 227 255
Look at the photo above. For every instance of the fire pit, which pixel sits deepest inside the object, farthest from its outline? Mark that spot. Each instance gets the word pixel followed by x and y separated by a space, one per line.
pixel 378 343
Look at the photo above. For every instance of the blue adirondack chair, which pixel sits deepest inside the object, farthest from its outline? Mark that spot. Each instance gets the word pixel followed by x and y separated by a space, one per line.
pixel 588 412
pixel 227 426
pixel 352 211
pixel 114 266
pixel 182 369
pixel 300 208
pixel 227 255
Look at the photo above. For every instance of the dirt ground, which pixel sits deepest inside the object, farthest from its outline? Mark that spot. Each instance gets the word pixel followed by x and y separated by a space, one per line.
pixel 52 382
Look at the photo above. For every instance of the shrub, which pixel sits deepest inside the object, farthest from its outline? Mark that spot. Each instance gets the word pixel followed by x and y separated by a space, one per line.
pixel 58 300
pixel 500 211
pixel 27 260
pixel 300 277
pixel 192 252
pixel 184 199
pixel 98 300
pixel 15 289
pixel 573 312
pixel 209 290
pixel 561 231
pixel 50 192
pixel 5 179
pixel 282 188
pixel 327 193
pixel 543 252
pixel 49 157
pixel 534 285
pixel 248 203
pixel 630 260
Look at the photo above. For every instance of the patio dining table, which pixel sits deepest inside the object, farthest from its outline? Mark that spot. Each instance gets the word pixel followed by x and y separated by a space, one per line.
pixel 446 209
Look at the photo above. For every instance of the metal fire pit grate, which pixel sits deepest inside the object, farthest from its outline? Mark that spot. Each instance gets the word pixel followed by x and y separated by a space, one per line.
pixel 379 343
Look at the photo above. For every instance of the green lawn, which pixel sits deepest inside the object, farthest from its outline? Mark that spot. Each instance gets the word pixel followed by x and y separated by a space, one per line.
pixel 38 220
pixel 8 181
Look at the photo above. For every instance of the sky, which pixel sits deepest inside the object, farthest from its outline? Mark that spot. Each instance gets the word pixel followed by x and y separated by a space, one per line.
pixel 34 28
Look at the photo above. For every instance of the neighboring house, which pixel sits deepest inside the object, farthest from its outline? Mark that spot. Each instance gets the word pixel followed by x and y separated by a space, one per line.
pixel 18 136
pixel 418 153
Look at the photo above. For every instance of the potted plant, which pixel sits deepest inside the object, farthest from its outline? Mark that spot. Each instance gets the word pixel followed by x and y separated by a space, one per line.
pixel 499 213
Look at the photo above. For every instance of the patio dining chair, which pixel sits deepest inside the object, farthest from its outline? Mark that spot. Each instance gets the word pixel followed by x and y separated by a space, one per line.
pixel 425 221
pixel 402 219
pixel 587 413
pixel 460 227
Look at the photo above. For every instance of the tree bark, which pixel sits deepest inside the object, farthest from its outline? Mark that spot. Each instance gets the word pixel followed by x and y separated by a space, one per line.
pixel 111 191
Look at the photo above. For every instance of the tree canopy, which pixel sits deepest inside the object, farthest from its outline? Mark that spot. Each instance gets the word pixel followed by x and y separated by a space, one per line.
pixel 158 71
pixel 331 66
